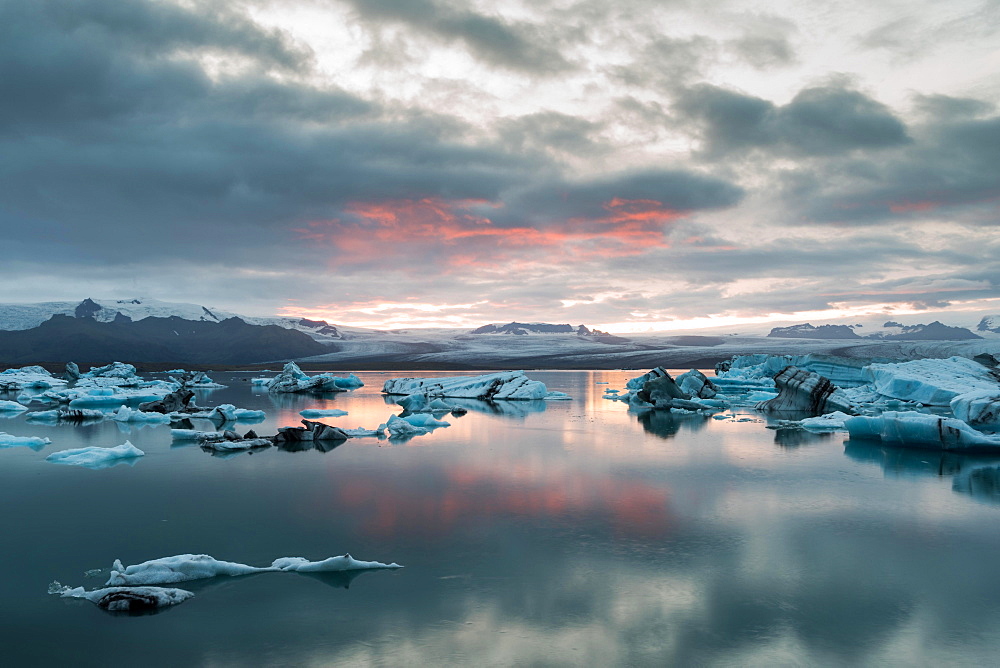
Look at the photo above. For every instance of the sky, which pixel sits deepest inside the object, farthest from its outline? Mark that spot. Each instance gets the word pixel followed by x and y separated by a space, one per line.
pixel 632 165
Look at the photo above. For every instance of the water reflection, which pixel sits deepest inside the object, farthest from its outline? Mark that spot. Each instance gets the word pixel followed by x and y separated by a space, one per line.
pixel 796 438
pixel 667 424
pixel 981 483
pixel 914 462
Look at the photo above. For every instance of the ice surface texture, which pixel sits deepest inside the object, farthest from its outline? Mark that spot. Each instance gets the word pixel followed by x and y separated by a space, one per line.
pixel 184 567
pixel 493 386
pixel 932 382
pixel 8 441
pixel 96 458
pixel 920 430
pixel 125 599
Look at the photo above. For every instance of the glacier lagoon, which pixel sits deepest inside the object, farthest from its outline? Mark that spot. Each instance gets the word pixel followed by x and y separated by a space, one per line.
pixel 560 533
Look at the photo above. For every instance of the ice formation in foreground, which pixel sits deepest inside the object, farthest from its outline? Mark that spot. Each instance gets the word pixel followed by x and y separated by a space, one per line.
pixel 982 407
pixel 488 387
pixel 185 567
pixel 9 441
pixel 922 430
pixel 801 390
pixel 125 599
pixel 96 458
pixel 11 407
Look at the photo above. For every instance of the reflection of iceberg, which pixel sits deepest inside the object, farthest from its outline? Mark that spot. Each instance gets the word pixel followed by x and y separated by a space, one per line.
pixel 905 462
pixel 982 483
pixel 666 424
pixel 794 438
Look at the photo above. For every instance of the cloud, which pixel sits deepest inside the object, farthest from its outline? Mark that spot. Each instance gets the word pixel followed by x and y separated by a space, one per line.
pixel 823 120
pixel 516 45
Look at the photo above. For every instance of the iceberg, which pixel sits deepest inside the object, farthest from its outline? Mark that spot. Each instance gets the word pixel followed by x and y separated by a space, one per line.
pixel 125 599
pixel 932 382
pixel 489 387
pixel 310 431
pixel 10 441
pixel 322 412
pixel 126 414
pixel 841 371
pixel 400 428
pixel 827 422
pixel 361 432
pixel 232 442
pixel 982 407
pixel 697 384
pixel 552 395
pixel 67 415
pixel 96 458
pixel 28 377
pixel 425 420
pixel 802 390
pixel 113 370
pixel 186 567
pixel 292 379
pixel 11 407
pixel 921 430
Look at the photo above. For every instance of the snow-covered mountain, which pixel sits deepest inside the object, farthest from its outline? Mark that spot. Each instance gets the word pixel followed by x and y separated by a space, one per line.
pixel 14 317
pixel 533 328
pixel 989 323
pixel 888 331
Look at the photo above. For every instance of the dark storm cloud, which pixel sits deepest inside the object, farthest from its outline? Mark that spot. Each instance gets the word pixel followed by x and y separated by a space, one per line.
pixel 952 167
pixel 825 120
pixel 514 45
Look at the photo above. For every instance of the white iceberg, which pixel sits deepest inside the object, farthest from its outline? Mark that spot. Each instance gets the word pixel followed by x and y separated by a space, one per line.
pixel 195 435
pixel 113 370
pixel 11 407
pixel 186 567
pixel 10 441
pixel 552 395
pixel 361 432
pixel 322 412
pixel 126 414
pixel 125 599
pixel 67 415
pixel 932 382
pixel 503 385
pixel 293 379
pixel 28 377
pixel 921 430
pixel 828 422
pixel 400 428
pixel 95 457
pixel 425 420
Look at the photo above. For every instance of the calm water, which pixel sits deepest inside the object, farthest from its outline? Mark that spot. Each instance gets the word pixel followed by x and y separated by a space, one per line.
pixel 572 533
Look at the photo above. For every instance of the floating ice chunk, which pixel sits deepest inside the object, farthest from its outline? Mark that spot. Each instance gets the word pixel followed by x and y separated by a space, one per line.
pixel 125 599
pixel 67 415
pixel 113 370
pixel 653 374
pixel 828 422
pixel 400 428
pixel 442 405
pixel 841 371
pixel 195 435
pixel 100 396
pixel 97 458
pixel 920 430
pixel 11 407
pixel 342 563
pixel 361 432
pixel 697 384
pixel 425 420
pixel 932 382
pixel 292 379
pixel 552 395
pixel 260 382
pixel 126 414
pixel 28 377
pixel 981 407
pixel 186 567
pixel 239 445
pixel 502 385
pixel 10 441
pixel 310 431
pixel 322 412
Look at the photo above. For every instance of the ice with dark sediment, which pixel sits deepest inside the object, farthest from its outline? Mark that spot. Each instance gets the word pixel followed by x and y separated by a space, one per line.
pixel 125 599
pixel 978 407
pixel 293 379
pixel 921 430
pixel 802 390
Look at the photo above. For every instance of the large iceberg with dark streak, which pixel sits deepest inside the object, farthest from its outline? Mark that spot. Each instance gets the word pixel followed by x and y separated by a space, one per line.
pixel 293 379
pixel 921 430
pixel 801 390
pixel 493 386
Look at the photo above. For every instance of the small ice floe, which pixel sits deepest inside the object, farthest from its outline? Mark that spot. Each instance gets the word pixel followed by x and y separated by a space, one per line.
pixel 233 442
pixel 361 432
pixel 552 395
pixel 186 567
pixel 425 420
pixel 421 403
pixel 921 430
pixel 322 412
pixel 11 407
pixel 33 442
pixel 400 428
pixel 310 431
pixel 67 415
pixel 828 422
pixel 97 458
pixel 504 385
pixel 126 414
pixel 223 413
pixel 125 599
pixel 28 377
